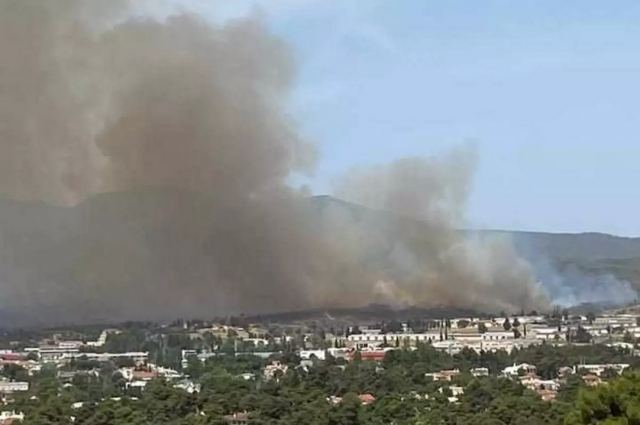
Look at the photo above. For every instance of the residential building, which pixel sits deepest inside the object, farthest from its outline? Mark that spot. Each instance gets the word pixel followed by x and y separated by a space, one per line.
pixel 239 418
pixel 443 375
pixel 7 387
pixel 479 372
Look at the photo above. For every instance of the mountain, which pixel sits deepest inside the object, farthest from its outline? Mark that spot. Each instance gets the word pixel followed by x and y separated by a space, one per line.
pixel 591 254
pixel 559 246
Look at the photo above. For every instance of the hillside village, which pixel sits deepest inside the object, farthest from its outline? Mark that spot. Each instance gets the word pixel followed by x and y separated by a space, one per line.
pixel 176 354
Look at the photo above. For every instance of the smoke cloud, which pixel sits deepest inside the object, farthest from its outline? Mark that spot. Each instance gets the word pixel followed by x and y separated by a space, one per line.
pixel 436 263
pixel 143 165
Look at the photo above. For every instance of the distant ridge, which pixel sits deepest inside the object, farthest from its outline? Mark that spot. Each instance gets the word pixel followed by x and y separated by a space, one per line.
pixel 558 246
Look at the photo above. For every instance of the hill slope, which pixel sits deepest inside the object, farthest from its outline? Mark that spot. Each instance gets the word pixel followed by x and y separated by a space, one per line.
pixel 559 246
pixel 606 266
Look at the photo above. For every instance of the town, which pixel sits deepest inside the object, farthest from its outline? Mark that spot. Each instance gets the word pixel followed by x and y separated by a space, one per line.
pixel 540 353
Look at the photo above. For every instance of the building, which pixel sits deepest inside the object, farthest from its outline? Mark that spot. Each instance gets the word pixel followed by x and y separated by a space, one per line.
pixel 7 417
pixel 52 354
pixel 366 399
pixel 591 380
pixel 274 370
pixel 374 339
pixel 497 336
pixel 188 386
pixel 239 418
pixel 443 375
pixel 311 354
pixel 7 387
pixel 448 346
pixel 371 355
pixel 534 382
pixel 599 369
pixel 518 369
pixel 546 394
pixel 478 372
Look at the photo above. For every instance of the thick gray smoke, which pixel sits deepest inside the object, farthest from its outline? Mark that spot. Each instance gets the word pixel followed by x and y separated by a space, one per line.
pixel 162 149
pixel 437 264
pixel 572 286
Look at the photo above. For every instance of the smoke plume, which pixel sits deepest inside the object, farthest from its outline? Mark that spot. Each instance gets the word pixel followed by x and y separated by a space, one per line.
pixel 436 263
pixel 146 162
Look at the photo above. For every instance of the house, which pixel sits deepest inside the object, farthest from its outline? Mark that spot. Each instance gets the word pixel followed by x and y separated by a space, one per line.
pixel 547 333
pixel 143 375
pixel 565 371
pixel 8 387
pixel 312 354
pixel 188 386
pixel 140 385
pixel 7 417
pixel 335 400
pixel 239 418
pixel 547 394
pixel 479 371
pixel 369 355
pixel 518 369
pixel 449 347
pixel 591 380
pixel 274 369
pixel 456 390
pixel 443 375
pixel 366 399
pixel 534 382
pixel 12 357
pixel 374 338
pixel 497 335
pixel 247 376
pixel 599 369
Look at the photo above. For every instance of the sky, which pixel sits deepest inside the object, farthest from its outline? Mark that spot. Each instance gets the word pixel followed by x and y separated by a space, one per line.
pixel 547 91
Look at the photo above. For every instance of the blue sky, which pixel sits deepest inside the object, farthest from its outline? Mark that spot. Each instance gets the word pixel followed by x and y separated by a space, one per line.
pixel 548 91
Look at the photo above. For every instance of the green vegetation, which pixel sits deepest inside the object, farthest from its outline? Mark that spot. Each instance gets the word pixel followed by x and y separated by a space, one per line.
pixel 303 395
pixel 617 403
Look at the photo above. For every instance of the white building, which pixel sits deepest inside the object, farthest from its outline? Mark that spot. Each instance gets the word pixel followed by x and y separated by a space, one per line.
pixel 518 369
pixel 9 416
pixel 273 369
pixel 498 336
pixel 13 386
pixel 598 369
pixel 479 372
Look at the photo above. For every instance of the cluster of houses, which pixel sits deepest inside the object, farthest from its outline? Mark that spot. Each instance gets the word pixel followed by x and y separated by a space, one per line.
pixel 526 374
pixel 479 334
pixel 367 343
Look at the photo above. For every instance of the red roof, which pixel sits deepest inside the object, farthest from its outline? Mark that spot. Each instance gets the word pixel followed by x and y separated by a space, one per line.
pixel 372 355
pixel 11 356
pixel 143 375
pixel 366 398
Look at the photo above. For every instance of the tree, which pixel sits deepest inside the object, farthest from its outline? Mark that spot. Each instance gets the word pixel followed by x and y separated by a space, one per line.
pixel 507 324
pixel 482 328
pixel 613 404
pixel 347 411
pixel 582 336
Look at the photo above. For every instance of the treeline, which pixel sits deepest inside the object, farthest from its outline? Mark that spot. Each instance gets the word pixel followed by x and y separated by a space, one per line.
pixel 403 394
